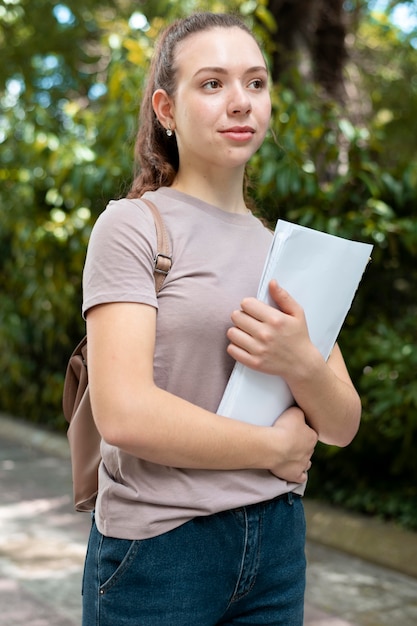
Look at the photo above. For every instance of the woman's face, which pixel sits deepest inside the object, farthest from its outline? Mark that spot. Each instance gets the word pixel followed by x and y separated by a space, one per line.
pixel 222 105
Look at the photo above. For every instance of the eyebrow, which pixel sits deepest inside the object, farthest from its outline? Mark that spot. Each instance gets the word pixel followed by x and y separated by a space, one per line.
pixel 222 70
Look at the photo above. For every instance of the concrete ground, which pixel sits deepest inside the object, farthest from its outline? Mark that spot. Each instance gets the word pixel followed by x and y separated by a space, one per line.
pixel 361 572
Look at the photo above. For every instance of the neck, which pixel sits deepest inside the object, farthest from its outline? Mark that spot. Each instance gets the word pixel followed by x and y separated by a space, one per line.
pixel 226 194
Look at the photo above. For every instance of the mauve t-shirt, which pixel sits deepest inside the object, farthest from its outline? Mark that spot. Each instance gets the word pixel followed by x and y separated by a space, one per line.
pixel 218 259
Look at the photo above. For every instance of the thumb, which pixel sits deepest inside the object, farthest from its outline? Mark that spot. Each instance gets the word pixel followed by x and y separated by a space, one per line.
pixel 284 301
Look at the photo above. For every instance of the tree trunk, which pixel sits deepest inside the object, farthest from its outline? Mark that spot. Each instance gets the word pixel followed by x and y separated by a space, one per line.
pixel 312 30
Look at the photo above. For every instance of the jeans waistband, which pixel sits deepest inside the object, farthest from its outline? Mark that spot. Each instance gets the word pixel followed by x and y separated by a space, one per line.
pixel 288 497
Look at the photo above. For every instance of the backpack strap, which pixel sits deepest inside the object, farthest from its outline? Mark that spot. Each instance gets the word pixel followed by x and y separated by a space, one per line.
pixel 163 256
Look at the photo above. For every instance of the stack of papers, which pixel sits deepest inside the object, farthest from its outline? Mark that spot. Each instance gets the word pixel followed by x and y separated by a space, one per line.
pixel 322 273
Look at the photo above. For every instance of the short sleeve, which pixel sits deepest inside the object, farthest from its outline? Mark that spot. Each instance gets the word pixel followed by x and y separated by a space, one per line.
pixel 119 262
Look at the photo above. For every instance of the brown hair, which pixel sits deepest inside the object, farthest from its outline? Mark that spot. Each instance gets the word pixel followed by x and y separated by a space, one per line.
pixel 156 154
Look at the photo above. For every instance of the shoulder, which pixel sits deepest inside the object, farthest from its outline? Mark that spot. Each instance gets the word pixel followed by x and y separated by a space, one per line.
pixel 123 219
pixel 125 211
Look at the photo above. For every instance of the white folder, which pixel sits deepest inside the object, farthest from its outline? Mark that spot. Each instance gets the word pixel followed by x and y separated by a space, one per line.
pixel 322 273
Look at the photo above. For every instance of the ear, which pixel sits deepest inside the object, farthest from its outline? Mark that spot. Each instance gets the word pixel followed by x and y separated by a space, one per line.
pixel 164 108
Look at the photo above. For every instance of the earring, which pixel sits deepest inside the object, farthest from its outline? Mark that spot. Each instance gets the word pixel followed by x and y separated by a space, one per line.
pixel 169 131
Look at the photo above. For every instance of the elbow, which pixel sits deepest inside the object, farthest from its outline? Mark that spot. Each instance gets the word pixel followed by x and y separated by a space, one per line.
pixel 114 423
pixel 347 428
pixel 354 419
pixel 111 434
pixel 340 439
pixel 125 418
pixel 119 434
pixel 110 430
pixel 346 438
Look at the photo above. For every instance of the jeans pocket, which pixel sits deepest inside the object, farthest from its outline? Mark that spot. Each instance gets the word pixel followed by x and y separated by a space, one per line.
pixel 115 558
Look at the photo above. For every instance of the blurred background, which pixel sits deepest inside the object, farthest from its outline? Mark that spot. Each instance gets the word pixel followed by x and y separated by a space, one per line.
pixel 342 158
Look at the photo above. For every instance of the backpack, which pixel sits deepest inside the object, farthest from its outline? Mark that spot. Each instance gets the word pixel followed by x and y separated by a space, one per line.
pixel 83 436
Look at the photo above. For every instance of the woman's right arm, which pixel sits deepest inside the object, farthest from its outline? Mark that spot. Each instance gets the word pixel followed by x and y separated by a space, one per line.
pixel 134 414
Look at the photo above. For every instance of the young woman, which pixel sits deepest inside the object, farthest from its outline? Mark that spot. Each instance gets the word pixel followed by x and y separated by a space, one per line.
pixel 199 519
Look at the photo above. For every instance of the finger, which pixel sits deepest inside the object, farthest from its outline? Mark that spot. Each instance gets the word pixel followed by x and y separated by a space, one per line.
pixel 244 349
pixel 304 474
pixel 241 339
pixel 258 310
pixel 247 323
pixel 284 301
pixel 301 478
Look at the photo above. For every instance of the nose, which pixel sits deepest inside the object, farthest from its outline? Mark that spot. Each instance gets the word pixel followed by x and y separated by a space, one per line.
pixel 239 103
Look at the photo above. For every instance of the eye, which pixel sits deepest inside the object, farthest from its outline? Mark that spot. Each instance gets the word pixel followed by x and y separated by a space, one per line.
pixel 211 84
pixel 257 83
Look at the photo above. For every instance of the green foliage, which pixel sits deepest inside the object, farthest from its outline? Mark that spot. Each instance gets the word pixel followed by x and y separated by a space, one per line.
pixel 64 154
pixel 69 93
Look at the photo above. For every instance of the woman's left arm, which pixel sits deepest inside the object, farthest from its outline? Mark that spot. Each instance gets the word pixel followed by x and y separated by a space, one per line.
pixel 276 341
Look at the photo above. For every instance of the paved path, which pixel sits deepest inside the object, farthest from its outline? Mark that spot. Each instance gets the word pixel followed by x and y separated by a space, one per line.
pixel 42 547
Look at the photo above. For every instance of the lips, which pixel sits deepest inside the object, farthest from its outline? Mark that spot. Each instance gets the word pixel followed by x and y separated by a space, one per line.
pixel 239 133
pixel 239 129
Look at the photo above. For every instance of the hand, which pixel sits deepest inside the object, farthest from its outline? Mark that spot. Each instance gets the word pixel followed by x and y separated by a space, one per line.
pixel 296 446
pixel 268 339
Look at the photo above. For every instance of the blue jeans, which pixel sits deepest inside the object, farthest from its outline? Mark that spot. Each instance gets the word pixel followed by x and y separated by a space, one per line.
pixel 244 566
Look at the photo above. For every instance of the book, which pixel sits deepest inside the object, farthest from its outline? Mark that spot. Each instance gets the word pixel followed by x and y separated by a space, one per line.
pixel 322 273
